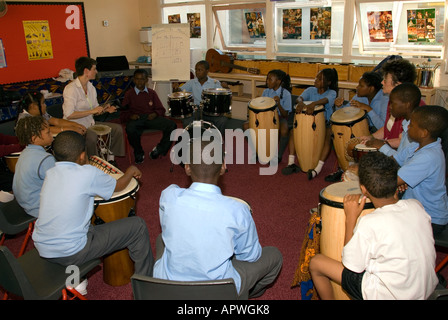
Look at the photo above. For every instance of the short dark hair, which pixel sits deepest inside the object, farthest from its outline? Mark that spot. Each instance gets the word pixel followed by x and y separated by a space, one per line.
pixel 29 127
pixel 432 118
pixel 373 79
pixel 401 70
pixel 84 63
pixel 68 145
pixel 378 173
pixel 204 63
pixel 408 93
pixel 141 71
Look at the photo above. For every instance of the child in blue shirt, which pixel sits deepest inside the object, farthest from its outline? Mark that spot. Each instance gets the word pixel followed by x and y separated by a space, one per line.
pixel 324 93
pixel 34 161
pixel 423 168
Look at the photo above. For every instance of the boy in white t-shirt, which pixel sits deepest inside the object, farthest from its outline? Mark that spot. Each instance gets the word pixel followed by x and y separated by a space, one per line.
pixel 389 253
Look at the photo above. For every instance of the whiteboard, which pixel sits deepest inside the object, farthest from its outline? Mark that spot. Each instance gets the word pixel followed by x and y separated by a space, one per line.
pixel 171 52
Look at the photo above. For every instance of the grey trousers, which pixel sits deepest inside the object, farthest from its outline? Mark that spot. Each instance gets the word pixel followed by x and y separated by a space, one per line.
pixel 117 145
pixel 255 276
pixel 131 233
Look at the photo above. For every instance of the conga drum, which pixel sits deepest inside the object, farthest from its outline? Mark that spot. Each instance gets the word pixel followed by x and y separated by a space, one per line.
pixel 360 150
pixel 118 266
pixel 11 161
pixel 309 137
pixel 347 123
pixel 264 124
pixel 331 208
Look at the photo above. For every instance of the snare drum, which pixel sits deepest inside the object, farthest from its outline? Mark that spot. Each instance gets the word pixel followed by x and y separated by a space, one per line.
pixel 264 122
pixel 118 266
pixel 104 139
pixel 216 101
pixel 309 137
pixel 331 208
pixel 360 149
pixel 180 104
pixel 11 161
pixel 347 123
pixel 206 129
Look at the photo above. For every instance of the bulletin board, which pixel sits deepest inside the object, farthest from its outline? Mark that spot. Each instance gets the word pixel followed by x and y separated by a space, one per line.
pixel 171 52
pixel 41 38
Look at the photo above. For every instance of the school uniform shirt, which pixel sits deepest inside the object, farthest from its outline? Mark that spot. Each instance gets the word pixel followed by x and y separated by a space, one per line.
pixel 202 230
pixel 195 88
pixel 424 173
pixel 75 99
pixel 283 94
pixel 31 168
pixel 379 104
pixel 394 245
pixel 311 94
pixel 66 207
pixel 145 101
pixel 404 141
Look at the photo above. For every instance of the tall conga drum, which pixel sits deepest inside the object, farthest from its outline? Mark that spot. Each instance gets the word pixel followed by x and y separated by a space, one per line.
pixel 264 120
pixel 347 123
pixel 118 266
pixel 11 161
pixel 309 137
pixel 331 208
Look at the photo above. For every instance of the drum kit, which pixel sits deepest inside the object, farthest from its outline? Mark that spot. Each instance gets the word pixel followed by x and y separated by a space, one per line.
pixel 215 102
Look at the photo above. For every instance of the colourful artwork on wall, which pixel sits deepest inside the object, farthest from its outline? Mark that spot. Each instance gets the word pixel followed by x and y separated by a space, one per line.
pixel 255 25
pixel 194 19
pixel 380 26
pixel 38 40
pixel 421 25
pixel 292 24
pixel 320 23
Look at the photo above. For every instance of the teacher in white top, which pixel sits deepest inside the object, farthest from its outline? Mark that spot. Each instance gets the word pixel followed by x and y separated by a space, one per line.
pixel 81 104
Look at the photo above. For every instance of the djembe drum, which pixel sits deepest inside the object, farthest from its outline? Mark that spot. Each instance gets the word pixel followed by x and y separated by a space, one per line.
pixel 103 139
pixel 331 208
pixel 309 136
pixel 118 266
pixel 264 124
pixel 347 123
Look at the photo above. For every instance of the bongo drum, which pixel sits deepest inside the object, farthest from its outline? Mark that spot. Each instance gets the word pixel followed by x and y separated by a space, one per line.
pixel 11 161
pixel 347 123
pixel 309 137
pixel 118 266
pixel 264 122
pixel 360 150
pixel 216 101
pixel 103 139
pixel 180 104
pixel 331 208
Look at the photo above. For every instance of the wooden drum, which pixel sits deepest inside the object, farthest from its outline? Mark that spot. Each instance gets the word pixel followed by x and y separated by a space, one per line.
pixel 11 161
pixel 331 209
pixel 118 266
pixel 264 122
pixel 347 123
pixel 309 137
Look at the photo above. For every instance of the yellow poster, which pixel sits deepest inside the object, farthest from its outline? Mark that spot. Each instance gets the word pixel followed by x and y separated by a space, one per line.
pixel 38 40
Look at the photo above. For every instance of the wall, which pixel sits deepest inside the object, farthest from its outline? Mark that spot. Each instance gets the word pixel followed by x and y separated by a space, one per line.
pixel 125 19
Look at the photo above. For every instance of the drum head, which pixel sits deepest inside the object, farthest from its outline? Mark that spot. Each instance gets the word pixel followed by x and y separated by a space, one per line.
pixel 262 103
pixel 131 189
pixel 333 195
pixel 100 129
pixel 179 95
pixel 347 114
pixel 317 108
pixel 364 148
pixel 217 91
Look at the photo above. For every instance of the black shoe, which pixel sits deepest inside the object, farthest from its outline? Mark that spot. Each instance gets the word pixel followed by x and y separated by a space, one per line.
pixel 310 174
pixel 334 177
pixel 154 154
pixel 292 168
pixel 139 158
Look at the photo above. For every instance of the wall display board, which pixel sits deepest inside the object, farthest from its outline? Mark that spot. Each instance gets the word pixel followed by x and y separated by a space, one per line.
pixel 171 52
pixel 41 38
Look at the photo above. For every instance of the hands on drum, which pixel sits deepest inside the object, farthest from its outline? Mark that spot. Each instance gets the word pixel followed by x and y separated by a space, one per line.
pixel 353 206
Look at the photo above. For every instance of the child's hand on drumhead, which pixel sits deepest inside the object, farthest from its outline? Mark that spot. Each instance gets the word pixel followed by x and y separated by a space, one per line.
pixel 136 173
pixel 352 206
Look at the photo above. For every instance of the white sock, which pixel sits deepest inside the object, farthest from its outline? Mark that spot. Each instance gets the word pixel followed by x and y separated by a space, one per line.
pixel 318 168
pixel 291 159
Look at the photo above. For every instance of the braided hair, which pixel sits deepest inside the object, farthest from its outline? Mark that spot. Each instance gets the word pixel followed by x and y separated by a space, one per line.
pixel 331 78
pixel 285 79
pixel 28 99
